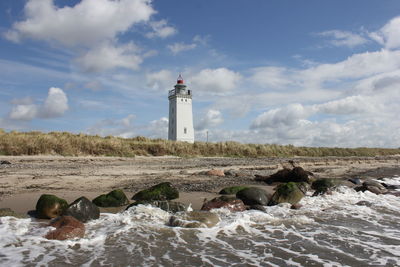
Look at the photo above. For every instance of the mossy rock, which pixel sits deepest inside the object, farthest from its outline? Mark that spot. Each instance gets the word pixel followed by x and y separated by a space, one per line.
pixel 169 206
pixel 321 186
pixel 9 212
pixel 286 193
pixel 163 191
pixel 50 206
pixel 232 190
pixel 115 198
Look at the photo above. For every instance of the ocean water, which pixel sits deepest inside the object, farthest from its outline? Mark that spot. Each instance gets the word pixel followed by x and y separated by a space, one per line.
pixel 328 230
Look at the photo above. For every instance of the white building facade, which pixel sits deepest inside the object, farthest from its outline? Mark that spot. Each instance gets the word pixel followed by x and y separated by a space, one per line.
pixel 180 126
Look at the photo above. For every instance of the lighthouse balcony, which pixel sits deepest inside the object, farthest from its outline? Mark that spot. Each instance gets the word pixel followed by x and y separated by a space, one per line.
pixel 183 93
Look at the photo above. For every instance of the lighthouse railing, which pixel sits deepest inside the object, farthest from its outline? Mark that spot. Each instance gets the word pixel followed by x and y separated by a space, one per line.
pixel 171 92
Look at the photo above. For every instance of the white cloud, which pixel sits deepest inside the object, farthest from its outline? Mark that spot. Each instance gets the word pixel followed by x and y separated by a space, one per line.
pixel 344 38
pixel 86 23
pixel 106 56
pixel 215 81
pixel 177 48
pixel 161 80
pixel 55 105
pixel 271 77
pixel 210 119
pixel 161 29
pixel 389 34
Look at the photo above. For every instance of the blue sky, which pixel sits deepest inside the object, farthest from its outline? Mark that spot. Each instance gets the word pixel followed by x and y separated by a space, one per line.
pixel 308 73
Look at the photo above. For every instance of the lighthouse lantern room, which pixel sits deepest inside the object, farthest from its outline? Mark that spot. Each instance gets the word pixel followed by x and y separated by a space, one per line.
pixel 180 113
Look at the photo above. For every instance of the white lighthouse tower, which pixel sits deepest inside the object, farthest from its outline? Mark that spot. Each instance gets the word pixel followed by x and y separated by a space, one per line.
pixel 180 113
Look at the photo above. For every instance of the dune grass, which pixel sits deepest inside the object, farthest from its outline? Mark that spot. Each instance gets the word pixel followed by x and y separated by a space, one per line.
pixel 68 144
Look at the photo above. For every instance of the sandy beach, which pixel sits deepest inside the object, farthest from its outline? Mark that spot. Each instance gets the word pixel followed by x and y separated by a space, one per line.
pixel 27 177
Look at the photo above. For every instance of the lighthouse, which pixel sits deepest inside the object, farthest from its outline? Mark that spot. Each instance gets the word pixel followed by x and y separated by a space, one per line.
pixel 180 126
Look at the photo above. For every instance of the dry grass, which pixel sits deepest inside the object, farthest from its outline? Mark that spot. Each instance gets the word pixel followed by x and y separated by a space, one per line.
pixel 68 144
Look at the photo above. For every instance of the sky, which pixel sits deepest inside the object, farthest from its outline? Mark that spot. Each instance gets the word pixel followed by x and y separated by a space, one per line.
pixel 305 72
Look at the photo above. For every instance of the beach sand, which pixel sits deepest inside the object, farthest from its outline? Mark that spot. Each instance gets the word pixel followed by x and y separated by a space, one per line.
pixel 27 177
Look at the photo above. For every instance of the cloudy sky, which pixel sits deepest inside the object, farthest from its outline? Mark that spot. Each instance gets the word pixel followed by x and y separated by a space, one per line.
pixel 306 72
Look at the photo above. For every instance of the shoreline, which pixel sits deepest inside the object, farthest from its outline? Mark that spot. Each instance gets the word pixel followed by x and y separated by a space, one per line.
pixel 27 177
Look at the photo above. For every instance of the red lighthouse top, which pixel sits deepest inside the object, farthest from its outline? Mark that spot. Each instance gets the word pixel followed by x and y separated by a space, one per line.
pixel 180 79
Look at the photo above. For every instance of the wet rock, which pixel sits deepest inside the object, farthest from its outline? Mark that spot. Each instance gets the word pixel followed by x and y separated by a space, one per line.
pixel 296 206
pixel 232 190
pixel 4 162
pixel 115 198
pixel 50 206
pixel 9 212
pixel 257 207
pixel 230 173
pixel 169 206
pixel 372 186
pixel 230 203
pixel 364 203
pixel 83 210
pixel 355 181
pixel 390 186
pixel 195 219
pixel 215 172
pixel 297 174
pixel 67 227
pixel 393 193
pixel 286 193
pixel 254 196
pixel 162 191
pixel 322 186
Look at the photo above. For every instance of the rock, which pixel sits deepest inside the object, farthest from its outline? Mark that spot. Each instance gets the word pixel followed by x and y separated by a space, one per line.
pixel 232 190
pixel 215 172
pixel 364 203
pixel 83 210
pixel 230 203
pixel 195 219
pixel 297 174
pixel 50 206
pixel 355 181
pixel 372 186
pixel 286 193
pixel 254 196
pixel 257 207
pixel 9 212
pixel 115 198
pixel 67 227
pixel 163 191
pixel 322 186
pixel 230 173
pixel 296 206
pixel 4 162
pixel 390 186
pixel 393 193
pixel 169 206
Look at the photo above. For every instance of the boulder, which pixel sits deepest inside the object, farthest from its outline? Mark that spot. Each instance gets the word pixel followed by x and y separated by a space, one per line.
pixel 322 186
pixel 67 227
pixel 163 191
pixel 9 212
pixel 195 219
pixel 230 203
pixel 232 190
pixel 169 206
pixel 4 162
pixel 253 196
pixel 372 186
pixel 297 174
pixel 83 210
pixel 355 181
pixel 230 172
pixel 215 172
pixel 364 203
pixel 390 186
pixel 50 206
pixel 257 207
pixel 296 206
pixel 286 193
pixel 115 198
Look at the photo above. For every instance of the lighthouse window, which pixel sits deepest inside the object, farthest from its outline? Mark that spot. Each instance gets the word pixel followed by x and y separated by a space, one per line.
pixel 185 100
pixel 185 130
pixel 182 99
